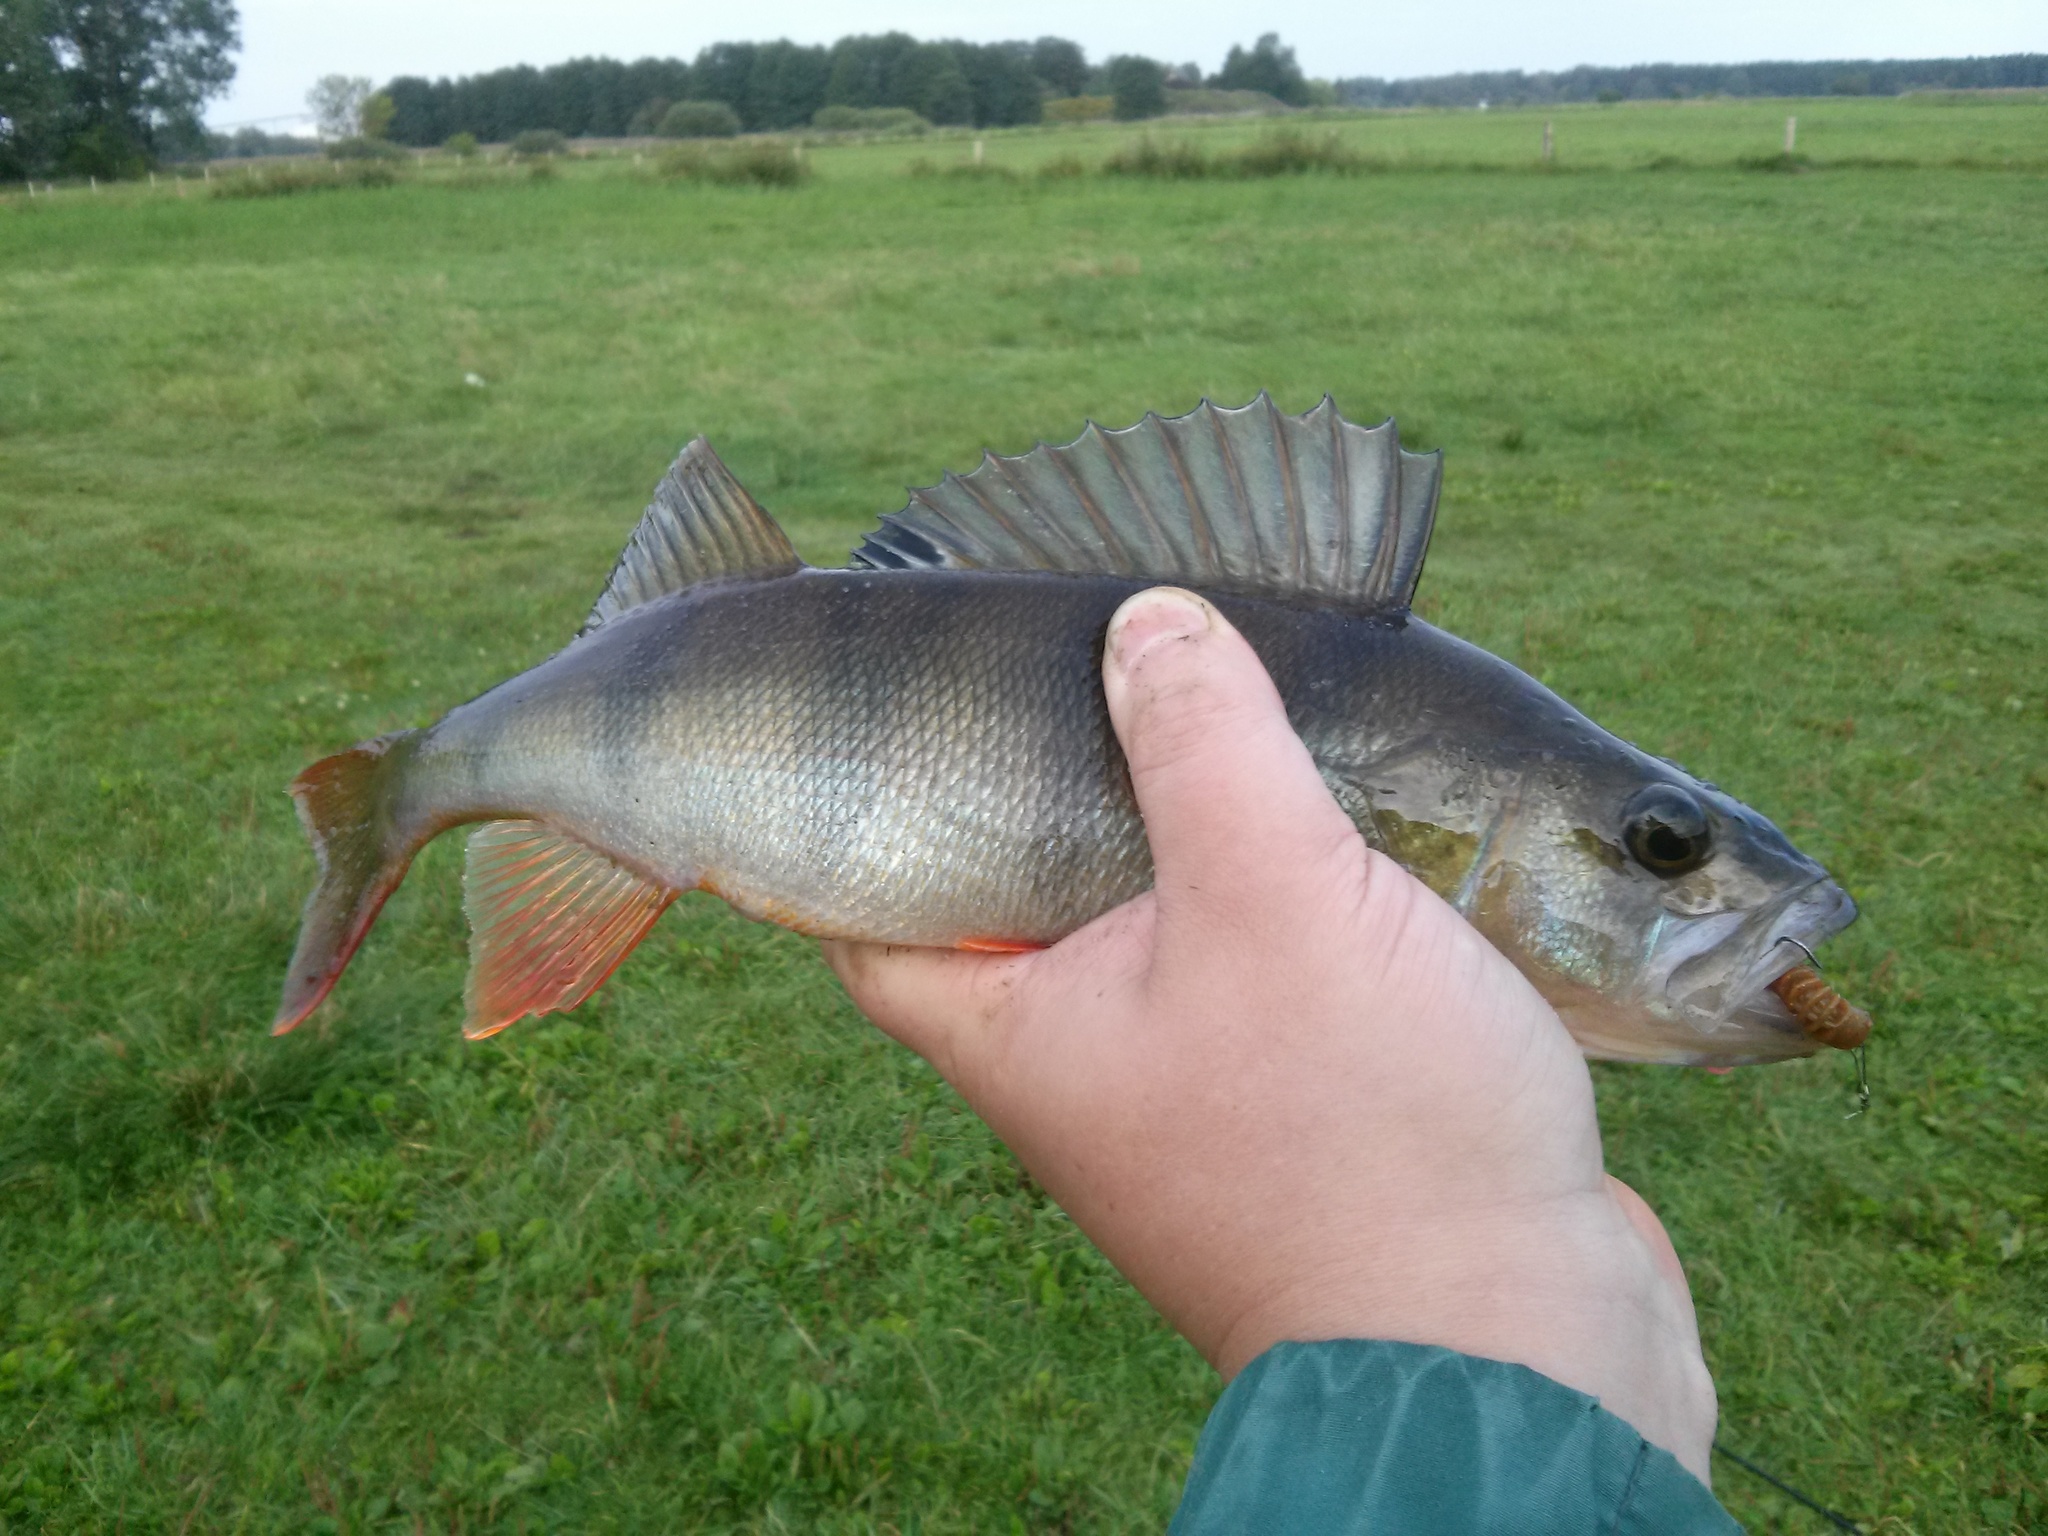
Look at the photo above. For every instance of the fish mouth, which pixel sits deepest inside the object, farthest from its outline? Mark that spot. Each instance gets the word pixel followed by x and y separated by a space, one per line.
pixel 1720 981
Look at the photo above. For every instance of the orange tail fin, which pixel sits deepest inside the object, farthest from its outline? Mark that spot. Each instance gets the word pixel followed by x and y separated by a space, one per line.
pixel 347 806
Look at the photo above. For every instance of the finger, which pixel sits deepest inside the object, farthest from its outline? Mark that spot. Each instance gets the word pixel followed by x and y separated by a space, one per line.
pixel 1234 808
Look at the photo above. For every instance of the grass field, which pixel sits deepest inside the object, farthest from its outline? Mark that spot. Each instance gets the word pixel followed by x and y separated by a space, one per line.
pixel 1750 466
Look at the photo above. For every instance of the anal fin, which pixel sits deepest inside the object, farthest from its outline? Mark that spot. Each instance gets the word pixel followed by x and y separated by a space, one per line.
pixel 549 919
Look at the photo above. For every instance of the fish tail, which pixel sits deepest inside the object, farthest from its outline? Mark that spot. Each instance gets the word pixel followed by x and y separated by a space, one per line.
pixel 348 805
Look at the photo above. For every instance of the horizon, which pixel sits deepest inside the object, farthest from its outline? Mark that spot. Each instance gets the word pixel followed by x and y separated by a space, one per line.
pixel 287 45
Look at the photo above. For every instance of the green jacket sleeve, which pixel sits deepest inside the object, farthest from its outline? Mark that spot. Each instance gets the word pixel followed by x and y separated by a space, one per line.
pixel 1364 1435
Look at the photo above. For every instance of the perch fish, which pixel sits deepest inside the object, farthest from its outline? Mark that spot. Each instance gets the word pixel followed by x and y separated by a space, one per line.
pixel 915 749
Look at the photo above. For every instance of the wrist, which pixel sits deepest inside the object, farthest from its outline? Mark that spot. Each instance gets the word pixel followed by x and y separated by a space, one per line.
pixel 1586 1303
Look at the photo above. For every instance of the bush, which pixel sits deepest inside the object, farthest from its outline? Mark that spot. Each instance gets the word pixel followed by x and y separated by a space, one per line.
pixel 1789 164
pixel 1288 153
pixel 896 120
pixel 536 143
pixel 364 149
pixel 461 145
pixel 1285 153
pixel 284 180
pixel 759 163
pixel 699 120
pixel 1062 168
pixel 1180 161
pixel 1079 109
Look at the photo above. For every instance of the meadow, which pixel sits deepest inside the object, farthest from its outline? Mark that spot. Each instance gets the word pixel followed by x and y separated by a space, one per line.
pixel 1748 465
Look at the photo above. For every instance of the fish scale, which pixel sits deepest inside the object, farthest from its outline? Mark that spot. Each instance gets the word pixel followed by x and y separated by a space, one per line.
pixel 916 749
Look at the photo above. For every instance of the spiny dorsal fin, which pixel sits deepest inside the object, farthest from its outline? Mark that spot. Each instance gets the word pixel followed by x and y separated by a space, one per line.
pixel 701 524
pixel 549 919
pixel 1251 499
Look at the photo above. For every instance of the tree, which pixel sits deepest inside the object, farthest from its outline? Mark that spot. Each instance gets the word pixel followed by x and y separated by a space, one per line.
pixel 336 102
pixel 999 76
pixel 932 84
pixel 1060 66
pixel 647 117
pixel 31 91
pixel 375 117
pixel 865 70
pixel 1138 86
pixel 106 87
pixel 1268 67
pixel 699 120
pixel 721 73
pixel 785 86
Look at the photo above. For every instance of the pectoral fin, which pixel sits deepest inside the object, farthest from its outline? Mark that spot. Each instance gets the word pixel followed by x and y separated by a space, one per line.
pixel 549 919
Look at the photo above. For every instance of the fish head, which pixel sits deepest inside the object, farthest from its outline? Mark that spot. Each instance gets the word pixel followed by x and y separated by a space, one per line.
pixel 1652 909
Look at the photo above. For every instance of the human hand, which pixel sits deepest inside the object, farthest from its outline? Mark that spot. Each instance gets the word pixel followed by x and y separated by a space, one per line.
pixel 1289 1092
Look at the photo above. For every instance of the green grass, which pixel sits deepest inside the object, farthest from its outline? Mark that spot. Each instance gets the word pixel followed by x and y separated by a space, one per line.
pixel 1749 466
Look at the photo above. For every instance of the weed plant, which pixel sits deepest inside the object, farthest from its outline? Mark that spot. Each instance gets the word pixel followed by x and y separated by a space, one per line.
pixel 294 176
pixel 871 120
pixel 360 148
pixel 1746 465
pixel 1281 152
pixel 1164 160
pixel 538 144
pixel 756 162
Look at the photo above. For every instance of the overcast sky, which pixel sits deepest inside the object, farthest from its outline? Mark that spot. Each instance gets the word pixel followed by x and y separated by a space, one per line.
pixel 287 44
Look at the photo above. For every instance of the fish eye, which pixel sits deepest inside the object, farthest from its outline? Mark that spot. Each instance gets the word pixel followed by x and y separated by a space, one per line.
pixel 1666 830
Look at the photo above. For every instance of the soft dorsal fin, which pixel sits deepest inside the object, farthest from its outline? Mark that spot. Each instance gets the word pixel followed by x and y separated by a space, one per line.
pixel 1250 499
pixel 701 524
pixel 549 919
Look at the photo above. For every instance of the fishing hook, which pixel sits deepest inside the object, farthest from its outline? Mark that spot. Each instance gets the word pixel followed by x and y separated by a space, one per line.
pixel 1786 938
pixel 1861 1053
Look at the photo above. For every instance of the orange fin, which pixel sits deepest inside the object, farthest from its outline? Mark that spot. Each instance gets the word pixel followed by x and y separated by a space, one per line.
pixel 999 946
pixel 549 919
pixel 346 804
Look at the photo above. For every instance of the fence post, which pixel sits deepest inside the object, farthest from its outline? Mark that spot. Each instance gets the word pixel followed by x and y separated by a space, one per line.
pixel 95 182
pixel 1547 151
pixel 1791 133
pixel 977 151
pixel 31 187
pixel 206 170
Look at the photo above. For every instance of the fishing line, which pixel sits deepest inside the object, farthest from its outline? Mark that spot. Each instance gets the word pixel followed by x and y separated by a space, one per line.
pixel 1838 1520
pixel 1862 1084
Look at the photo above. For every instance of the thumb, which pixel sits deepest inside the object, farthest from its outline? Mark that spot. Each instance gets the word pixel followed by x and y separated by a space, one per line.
pixel 1237 816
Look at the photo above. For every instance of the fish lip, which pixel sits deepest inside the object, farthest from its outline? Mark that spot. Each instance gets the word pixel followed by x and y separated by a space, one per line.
pixel 1781 936
pixel 1809 918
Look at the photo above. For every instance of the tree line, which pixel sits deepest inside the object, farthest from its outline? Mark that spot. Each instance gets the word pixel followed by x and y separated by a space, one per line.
pixel 779 85
pixel 1655 82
